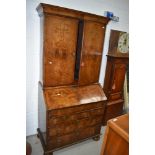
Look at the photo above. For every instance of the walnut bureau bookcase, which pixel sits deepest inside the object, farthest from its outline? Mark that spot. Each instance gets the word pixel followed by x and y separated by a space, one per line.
pixel 71 100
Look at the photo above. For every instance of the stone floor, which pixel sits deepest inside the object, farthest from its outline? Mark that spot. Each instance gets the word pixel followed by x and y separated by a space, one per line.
pixel 88 147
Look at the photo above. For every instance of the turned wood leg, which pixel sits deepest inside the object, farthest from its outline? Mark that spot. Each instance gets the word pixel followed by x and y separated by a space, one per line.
pixel 96 138
pixel 38 135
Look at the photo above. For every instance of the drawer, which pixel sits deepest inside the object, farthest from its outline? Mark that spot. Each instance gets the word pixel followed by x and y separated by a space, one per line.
pixel 77 116
pixel 62 129
pixel 88 132
pixel 97 112
pixel 68 118
pixel 72 110
pixel 89 122
pixel 59 141
pixel 66 128
pixel 56 142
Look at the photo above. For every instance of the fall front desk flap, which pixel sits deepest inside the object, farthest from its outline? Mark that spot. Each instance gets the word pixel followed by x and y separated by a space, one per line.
pixel 62 97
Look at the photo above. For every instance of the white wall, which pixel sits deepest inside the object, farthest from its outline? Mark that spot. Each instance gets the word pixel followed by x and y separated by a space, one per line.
pixel 120 8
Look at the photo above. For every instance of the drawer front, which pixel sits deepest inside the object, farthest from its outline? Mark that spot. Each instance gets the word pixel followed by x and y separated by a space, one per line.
pixel 88 132
pixel 77 116
pixel 72 110
pixel 62 129
pixel 96 112
pixel 89 122
pixel 55 142
pixel 66 128
pixel 68 118
pixel 59 141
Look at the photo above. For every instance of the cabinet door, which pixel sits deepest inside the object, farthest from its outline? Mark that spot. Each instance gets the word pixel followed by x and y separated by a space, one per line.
pixel 119 71
pixel 91 53
pixel 59 50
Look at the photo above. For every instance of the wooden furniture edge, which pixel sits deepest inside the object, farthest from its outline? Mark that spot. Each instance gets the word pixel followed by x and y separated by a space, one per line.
pixel 117 129
pixel 115 102
pixel 119 56
pixel 51 9
pixel 104 140
pixel 111 125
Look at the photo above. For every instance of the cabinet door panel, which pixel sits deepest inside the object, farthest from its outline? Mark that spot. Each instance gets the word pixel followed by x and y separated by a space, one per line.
pixel 60 50
pixel 118 77
pixel 91 54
